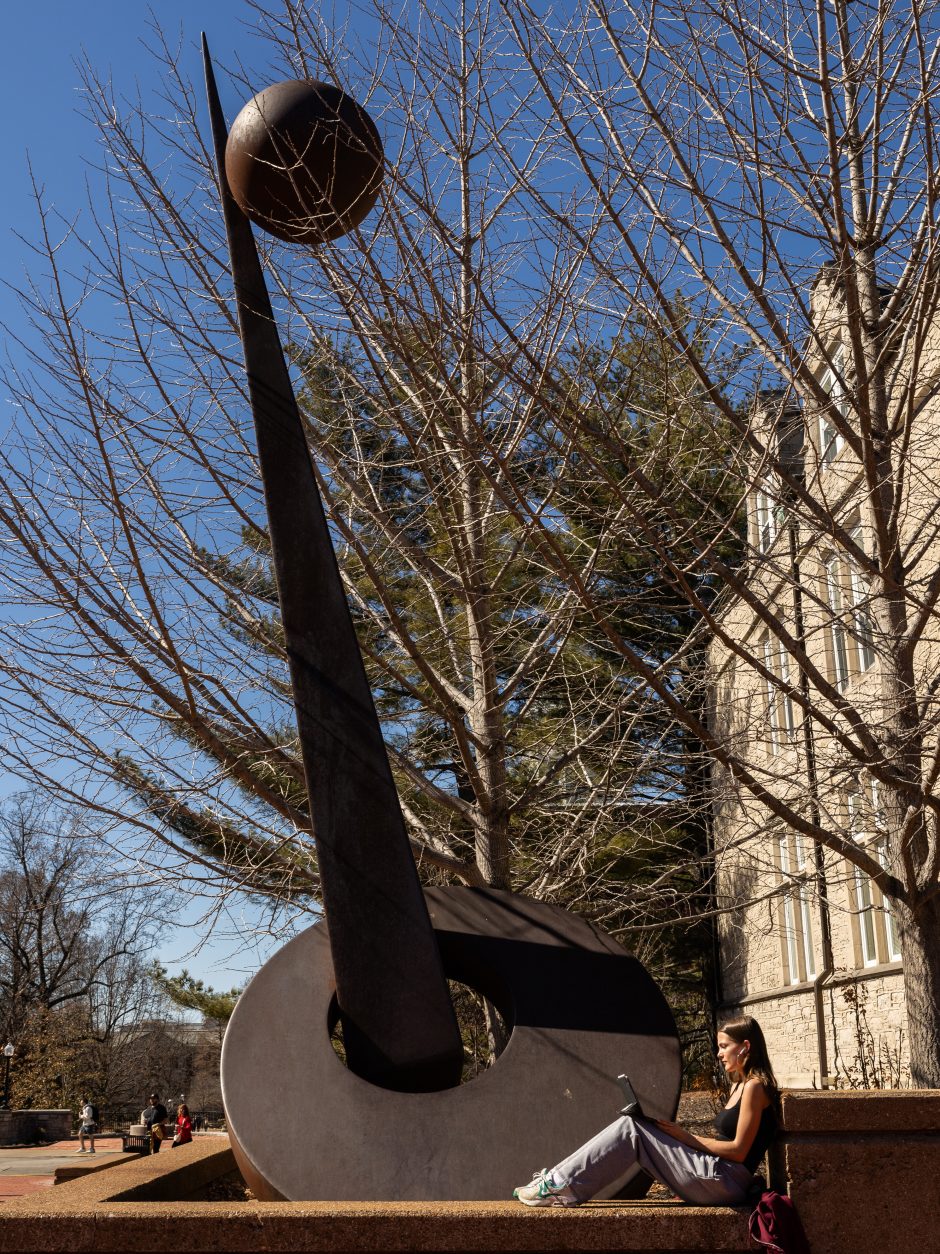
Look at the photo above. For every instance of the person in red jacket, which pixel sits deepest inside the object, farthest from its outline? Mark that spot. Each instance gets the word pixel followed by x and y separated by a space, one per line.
pixel 184 1126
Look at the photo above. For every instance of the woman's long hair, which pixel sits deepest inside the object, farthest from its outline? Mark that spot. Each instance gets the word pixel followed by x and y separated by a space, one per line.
pixel 757 1062
pixel 182 1110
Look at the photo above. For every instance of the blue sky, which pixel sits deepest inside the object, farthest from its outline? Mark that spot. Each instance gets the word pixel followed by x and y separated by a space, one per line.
pixel 44 128
pixel 42 88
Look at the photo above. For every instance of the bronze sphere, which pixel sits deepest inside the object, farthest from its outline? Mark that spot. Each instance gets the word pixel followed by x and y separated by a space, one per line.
pixel 304 161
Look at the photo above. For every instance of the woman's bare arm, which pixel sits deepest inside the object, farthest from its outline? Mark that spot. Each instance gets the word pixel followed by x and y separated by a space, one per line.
pixel 754 1101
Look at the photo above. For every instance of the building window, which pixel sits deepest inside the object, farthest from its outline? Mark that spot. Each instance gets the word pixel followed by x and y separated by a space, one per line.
pixel 793 974
pixel 779 708
pixel 893 940
pixel 832 381
pixel 786 704
pixel 891 925
pixel 866 918
pixel 851 630
pixel 862 628
pixel 797 911
pixel 770 694
pixel 878 939
pixel 806 918
pixel 765 521
pixel 837 635
pixel 769 514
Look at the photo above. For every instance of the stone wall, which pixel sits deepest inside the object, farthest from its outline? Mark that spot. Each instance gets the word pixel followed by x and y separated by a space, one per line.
pixel 864 1169
pixel 28 1127
pixel 866 1040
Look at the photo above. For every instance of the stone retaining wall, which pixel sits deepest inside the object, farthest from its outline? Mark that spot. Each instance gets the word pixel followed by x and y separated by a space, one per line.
pixel 140 1207
pixel 27 1127
pixel 863 1169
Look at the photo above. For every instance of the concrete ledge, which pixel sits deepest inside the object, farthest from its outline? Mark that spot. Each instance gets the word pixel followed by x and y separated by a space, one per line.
pixel 78 1172
pixel 135 1207
pixel 861 1111
pixel 864 1168
pixel 359 1227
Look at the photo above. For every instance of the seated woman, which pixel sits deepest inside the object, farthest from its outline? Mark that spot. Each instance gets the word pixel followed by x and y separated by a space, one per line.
pixel 184 1126
pixel 707 1171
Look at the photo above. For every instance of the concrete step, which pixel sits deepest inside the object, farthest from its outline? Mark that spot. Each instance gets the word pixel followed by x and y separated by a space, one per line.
pixel 159 1203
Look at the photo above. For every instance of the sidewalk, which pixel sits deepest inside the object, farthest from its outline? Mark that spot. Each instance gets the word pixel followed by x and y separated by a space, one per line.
pixel 28 1168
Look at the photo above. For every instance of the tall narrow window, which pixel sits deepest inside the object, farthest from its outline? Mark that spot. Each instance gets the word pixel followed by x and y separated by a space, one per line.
pixel 891 924
pixel 832 382
pixel 789 918
pixel 866 918
pixel 864 903
pixel 797 912
pixel 786 704
pixel 768 519
pixel 840 655
pixel 781 715
pixel 862 628
pixel 806 916
pixel 771 694
pixel 877 927
pixel 892 938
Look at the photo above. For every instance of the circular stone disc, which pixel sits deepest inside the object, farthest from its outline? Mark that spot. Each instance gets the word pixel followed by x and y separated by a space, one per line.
pixel 305 1128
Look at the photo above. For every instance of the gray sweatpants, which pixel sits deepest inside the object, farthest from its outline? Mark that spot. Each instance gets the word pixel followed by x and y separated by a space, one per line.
pixel 695 1176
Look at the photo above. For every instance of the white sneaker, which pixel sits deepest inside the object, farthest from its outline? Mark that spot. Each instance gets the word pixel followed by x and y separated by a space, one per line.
pixel 81 1151
pixel 543 1191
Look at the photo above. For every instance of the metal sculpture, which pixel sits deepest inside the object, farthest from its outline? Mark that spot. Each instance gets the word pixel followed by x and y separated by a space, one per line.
pixel 304 162
pixel 399 1025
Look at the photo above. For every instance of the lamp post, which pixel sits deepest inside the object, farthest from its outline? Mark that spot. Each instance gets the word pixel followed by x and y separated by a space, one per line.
pixel 8 1052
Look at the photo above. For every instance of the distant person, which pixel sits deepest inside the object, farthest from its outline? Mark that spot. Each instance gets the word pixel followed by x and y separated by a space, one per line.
pixel 88 1121
pixel 197 1123
pixel 154 1118
pixel 184 1126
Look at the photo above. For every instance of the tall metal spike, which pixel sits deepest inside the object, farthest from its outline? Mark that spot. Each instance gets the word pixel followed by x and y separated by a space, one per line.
pixel 399 1026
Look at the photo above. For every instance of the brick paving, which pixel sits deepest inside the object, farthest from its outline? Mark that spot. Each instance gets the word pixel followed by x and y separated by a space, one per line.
pixel 28 1168
pixel 19 1186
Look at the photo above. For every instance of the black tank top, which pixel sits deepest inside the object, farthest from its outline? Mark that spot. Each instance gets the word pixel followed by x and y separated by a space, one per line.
pixel 726 1125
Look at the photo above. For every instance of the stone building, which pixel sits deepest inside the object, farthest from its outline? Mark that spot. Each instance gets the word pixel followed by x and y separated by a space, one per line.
pixel 808 944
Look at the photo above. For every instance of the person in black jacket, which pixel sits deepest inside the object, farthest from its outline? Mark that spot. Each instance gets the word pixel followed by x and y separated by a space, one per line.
pixel 707 1171
pixel 154 1117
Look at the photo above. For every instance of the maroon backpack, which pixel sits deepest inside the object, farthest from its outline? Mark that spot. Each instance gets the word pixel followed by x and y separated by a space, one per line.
pixel 775 1226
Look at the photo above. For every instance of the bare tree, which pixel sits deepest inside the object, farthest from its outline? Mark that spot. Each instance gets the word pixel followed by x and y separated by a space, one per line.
pixel 776 163
pixel 681 174
pixel 145 645
pixel 73 941
pixel 62 927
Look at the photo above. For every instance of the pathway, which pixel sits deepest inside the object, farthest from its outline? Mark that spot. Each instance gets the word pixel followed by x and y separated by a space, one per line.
pixel 28 1168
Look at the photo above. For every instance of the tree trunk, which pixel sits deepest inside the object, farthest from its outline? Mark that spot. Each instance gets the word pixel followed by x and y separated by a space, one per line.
pixel 920 948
